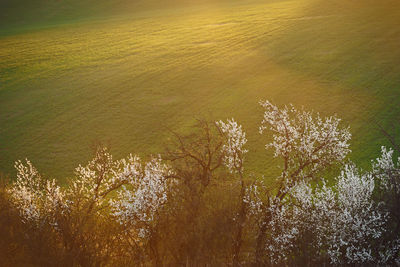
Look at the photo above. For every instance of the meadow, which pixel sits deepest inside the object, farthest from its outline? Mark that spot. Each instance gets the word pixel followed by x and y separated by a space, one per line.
pixel 124 74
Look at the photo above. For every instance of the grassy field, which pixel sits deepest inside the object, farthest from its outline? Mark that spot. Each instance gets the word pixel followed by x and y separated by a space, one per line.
pixel 123 73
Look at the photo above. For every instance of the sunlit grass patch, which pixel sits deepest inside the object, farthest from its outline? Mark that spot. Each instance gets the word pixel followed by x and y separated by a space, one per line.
pixel 125 78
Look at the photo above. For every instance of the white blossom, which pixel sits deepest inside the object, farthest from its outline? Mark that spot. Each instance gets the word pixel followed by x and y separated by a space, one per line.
pixel 282 231
pixel 387 171
pixel 253 200
pixel 233 149
pixel 344 221
pixel 357 220
pixel 101 176
pixel 138 203
pixel 306 142
pixel 387 176
pixel 36 198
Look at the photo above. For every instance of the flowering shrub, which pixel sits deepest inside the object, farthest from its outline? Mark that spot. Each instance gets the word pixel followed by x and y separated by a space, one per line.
pixel 344 219
pixel 343 223
pixel 37 199
pixel 184 209
pixel 306 143
pixel 233 149
pixel 138 206
pixel 95 181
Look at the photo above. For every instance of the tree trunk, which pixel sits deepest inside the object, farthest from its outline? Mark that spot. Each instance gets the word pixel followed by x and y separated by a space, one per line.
pixel 237 243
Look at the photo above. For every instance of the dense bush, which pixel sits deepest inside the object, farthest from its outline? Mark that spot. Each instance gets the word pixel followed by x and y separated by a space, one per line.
pixel 197 205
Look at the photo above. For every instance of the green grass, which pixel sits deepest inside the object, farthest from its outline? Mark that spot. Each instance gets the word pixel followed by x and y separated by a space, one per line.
pixel 122 77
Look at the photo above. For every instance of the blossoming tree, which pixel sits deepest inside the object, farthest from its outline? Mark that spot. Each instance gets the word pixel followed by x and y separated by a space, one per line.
pixel 234 153
pixel 307 144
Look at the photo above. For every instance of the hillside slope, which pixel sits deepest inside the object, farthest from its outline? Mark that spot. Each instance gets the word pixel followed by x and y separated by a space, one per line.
pixel 22 15
pixel 123 79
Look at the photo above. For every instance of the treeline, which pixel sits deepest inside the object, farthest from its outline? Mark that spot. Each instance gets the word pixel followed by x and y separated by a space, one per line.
pixel 197 204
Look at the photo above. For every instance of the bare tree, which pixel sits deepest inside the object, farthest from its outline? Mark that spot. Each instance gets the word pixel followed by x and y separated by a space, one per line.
pixel 195 159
